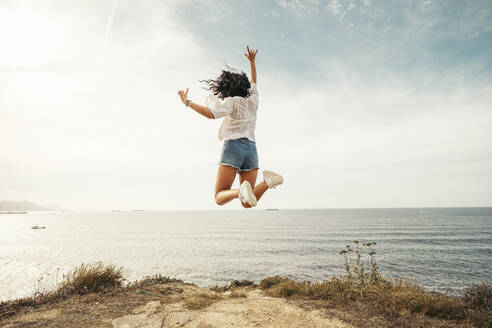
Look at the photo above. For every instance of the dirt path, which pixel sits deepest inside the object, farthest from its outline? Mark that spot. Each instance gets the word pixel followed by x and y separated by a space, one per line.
pixel 256 310
pixel 173 305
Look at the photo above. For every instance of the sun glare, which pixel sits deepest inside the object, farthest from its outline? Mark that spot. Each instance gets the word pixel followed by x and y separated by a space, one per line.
pixel 24 40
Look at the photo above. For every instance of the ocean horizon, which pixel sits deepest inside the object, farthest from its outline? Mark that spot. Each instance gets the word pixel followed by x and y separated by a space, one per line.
pixel 443 249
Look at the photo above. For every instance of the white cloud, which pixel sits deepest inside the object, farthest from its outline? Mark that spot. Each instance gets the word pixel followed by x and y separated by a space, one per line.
pixel 335 7
pixel 382 142
pixel 282 3
pixel 295 4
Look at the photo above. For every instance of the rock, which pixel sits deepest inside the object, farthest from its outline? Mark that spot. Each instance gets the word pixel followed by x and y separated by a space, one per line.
pixel 148 308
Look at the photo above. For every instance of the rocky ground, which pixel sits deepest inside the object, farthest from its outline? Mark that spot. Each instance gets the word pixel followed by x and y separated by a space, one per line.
pixel 173 304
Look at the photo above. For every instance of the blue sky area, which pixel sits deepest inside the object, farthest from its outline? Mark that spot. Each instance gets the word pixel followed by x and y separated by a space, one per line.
pixel 376 38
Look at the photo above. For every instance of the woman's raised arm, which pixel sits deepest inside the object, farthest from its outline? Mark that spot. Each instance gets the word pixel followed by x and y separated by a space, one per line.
pixel 251 55
pixel 202 110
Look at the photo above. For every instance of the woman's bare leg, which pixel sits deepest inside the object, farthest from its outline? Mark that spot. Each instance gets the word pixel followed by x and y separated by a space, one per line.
pixel 251 176
pixel 225 178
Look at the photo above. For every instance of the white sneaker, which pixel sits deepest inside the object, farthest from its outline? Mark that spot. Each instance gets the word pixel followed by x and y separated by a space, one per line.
pixel 246 194
pixel 272 179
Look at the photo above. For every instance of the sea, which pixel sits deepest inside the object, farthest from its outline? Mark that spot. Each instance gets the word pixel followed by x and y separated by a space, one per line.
pixel 441 249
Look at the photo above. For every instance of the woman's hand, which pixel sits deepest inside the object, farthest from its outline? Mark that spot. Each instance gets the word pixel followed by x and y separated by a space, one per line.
pixel 251 55
pixel 183 95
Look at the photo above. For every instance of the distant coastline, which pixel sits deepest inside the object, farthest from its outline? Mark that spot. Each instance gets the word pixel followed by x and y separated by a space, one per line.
pixel 14 212
pixel 21 207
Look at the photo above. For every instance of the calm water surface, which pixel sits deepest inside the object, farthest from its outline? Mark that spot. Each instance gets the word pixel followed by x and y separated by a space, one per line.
pixel 444 249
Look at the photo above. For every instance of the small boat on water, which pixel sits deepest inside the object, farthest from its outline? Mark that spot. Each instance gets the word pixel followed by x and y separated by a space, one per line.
pixel 38 227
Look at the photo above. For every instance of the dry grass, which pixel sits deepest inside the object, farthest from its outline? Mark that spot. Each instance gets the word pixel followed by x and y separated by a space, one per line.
pixel 236 288
pixel 236 294
pixel 478 299
pixel 396 303
pixel 202 300
pixel 154 279
pixel 362 297
pixel 84 279
pixel 92 278
pixel 232 285
pixel 401 303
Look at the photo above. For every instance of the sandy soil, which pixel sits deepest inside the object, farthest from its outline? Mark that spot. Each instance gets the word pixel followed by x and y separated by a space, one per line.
pixel 173 305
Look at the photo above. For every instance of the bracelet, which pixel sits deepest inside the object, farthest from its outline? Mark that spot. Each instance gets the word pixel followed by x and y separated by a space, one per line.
pixel 187 102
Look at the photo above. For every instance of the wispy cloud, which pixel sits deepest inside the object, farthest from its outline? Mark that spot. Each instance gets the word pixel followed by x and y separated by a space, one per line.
pixel 335 7
pixel 110 18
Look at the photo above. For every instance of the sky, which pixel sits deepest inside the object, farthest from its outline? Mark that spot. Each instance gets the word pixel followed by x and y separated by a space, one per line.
pixel 363 103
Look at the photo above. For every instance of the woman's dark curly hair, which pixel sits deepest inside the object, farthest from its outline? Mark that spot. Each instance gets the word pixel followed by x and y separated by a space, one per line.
pixel 229 84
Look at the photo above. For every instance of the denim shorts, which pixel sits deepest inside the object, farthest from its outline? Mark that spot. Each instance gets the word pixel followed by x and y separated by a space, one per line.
pixel 239 153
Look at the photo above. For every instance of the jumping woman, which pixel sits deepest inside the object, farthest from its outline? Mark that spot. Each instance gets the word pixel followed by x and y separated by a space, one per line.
pixel 235 99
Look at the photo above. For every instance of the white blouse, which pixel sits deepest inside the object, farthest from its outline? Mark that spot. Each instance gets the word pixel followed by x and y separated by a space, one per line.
pixel 239 114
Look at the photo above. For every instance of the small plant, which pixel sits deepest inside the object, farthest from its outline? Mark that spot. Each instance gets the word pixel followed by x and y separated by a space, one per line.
pixel 38 290
pixel 356 271
pixel 155 279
